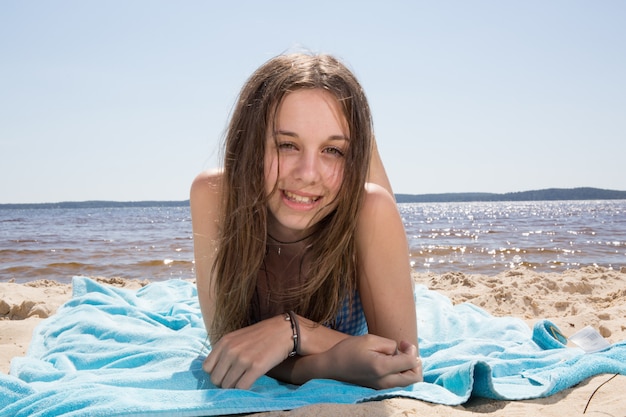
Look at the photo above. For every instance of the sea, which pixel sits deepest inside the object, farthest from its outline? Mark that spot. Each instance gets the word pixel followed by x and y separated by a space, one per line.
pixel 156 242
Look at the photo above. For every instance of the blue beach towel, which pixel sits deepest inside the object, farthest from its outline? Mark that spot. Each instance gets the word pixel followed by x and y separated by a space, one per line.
pixel 116 352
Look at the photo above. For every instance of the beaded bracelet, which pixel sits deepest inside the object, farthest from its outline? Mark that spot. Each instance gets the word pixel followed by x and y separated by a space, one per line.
pixel 295 329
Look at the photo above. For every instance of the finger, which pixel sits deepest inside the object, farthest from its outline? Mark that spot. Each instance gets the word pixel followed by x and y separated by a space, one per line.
pixel 408 348
pixel 402 362
pixel 232 377
pixel 385 346
pixel 404 377
pixel 411 350
pixel 209 362
pixel 219 372
pixel 247 379
pixel 399 380
pixel 418 371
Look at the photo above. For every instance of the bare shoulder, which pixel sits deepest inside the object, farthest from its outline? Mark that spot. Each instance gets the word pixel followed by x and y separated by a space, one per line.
pixel 205 200
pixel 379 218
pixel 206 187
pixel 377 201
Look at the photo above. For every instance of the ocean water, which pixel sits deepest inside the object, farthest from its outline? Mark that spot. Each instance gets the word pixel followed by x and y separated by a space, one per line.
pixel 489 237
pixel 130 242
pixel 156 242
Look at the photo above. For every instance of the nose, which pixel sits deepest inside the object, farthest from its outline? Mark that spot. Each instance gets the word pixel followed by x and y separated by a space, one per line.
pixel 309 167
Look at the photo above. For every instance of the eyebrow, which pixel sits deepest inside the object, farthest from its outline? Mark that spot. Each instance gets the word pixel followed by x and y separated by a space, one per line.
pixel 295 135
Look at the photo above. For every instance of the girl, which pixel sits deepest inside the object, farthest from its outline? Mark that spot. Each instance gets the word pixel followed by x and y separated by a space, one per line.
pixel 301 256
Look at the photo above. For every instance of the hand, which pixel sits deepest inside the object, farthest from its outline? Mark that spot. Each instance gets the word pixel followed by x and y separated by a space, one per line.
pixel 375 362
pixel 241 357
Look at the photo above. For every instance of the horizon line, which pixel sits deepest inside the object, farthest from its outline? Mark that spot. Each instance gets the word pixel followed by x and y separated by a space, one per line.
pixel 401 195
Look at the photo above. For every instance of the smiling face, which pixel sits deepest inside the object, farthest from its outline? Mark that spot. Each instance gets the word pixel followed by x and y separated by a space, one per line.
pixel 304 161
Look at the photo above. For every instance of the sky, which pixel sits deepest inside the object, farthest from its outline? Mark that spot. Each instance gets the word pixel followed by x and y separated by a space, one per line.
pixel 128 100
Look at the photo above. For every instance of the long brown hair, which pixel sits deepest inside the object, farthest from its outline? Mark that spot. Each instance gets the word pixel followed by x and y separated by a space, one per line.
pixel 331 276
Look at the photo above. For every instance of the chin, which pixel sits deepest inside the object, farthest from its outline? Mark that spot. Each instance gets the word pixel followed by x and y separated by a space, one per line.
pixel 299 221
pixel 296 226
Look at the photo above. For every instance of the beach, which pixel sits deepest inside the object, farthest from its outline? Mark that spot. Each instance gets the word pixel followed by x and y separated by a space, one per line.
pixel 573 299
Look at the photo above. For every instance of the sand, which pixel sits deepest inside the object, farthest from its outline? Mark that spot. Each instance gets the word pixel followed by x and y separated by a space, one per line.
pixel 572 300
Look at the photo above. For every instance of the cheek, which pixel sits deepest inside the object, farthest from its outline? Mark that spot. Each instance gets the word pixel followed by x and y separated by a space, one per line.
pixel 335 177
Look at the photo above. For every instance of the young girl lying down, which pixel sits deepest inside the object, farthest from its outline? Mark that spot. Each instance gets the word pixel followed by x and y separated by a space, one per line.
pixel 301 256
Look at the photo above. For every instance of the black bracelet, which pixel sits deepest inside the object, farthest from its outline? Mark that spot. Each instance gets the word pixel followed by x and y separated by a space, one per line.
pixel 295 329
pixel 294 318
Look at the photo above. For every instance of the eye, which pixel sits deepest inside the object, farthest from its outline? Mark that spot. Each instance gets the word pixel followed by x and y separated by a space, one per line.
pixel 287 146
pixel 335 151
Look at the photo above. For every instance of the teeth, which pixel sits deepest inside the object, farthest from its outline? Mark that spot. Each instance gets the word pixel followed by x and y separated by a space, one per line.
pixel 300 199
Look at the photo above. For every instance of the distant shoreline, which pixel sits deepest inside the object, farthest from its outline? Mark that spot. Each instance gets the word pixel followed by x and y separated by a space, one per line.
pixel 95 204
pixel 549 194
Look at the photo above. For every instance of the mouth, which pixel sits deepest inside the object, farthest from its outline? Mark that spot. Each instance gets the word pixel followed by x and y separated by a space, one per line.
pixel 300 199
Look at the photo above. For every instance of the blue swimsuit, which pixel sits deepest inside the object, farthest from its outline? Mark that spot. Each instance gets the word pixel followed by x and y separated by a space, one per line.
pixel 351 322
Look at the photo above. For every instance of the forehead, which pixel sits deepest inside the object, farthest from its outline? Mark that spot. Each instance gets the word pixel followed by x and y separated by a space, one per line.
pixel 311 109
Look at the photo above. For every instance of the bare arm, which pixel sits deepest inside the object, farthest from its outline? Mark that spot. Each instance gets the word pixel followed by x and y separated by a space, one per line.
pixel 385 282
pixel 377 174
pixel 205 198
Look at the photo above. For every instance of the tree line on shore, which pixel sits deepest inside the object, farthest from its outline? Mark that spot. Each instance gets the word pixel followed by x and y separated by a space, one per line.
pixel 549 194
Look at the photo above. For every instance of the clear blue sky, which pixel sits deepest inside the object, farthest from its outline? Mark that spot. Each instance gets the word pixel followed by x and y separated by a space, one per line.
pixel 128 100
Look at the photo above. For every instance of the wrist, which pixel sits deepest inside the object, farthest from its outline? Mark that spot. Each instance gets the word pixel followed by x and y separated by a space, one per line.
pixel 305 368
pixel 316 338
pixel 292 318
